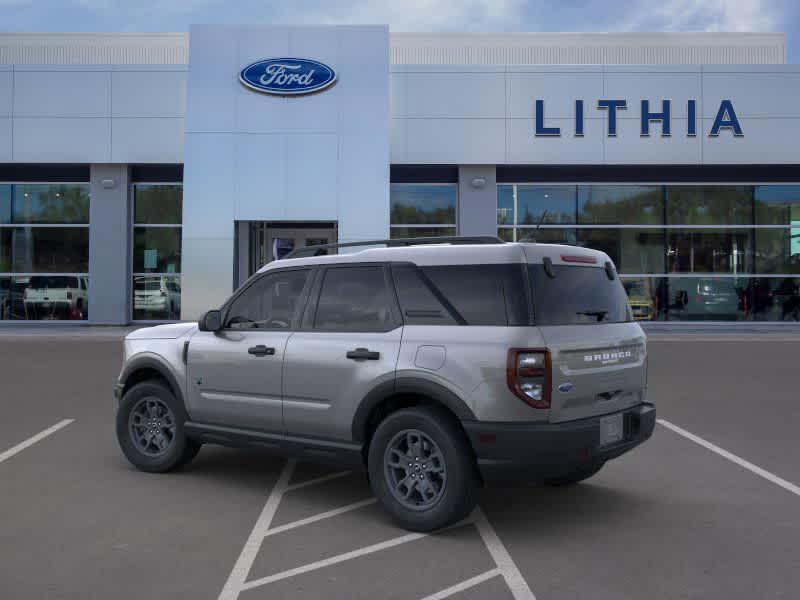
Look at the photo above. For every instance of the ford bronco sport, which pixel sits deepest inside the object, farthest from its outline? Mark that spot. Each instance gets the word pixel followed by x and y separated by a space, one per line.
pixel 435 367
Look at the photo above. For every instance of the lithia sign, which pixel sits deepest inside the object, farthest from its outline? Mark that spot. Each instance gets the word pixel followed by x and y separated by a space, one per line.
pixel 725 120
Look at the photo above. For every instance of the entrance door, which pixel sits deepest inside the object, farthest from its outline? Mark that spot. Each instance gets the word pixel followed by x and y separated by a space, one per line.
pixel 273 241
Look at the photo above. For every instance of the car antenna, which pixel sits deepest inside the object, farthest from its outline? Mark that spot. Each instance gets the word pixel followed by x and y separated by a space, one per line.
pixel 532 237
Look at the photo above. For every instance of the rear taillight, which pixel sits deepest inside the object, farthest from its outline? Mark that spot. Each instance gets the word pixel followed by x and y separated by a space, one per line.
pixel 528 373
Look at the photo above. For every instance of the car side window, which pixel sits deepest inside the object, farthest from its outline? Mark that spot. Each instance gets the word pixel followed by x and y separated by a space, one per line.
pixel 354 299
pixel 270 302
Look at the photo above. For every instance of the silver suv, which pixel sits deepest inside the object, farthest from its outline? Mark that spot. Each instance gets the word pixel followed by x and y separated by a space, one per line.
pixel 435 367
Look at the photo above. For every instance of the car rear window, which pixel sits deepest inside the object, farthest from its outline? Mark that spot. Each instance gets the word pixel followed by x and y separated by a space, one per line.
pixel 57 281
pixel 492 295
pixel 577 295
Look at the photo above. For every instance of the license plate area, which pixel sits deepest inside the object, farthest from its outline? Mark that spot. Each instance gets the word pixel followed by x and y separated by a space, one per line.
pixel 612 429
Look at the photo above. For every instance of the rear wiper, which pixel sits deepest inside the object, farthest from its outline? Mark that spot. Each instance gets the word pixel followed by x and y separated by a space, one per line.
pixel 600 314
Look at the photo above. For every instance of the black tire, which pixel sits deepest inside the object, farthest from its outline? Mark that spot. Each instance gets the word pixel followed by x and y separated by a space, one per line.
pixel 575 476
pixel 456 496
pixel 179 449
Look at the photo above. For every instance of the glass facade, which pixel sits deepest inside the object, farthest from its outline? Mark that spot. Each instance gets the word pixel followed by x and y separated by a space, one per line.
pixel 423 209
pixel 44 251
pixel 684 252
pixel 156 260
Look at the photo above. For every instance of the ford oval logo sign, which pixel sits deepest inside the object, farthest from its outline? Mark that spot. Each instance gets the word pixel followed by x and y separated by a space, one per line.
pixel 287 76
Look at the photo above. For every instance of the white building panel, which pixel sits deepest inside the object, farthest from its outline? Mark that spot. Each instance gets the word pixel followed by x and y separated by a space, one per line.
pixel 654 85
pixel 525 148
pixel 455 141
pixel 5 139
pixel 311 177
pixel 147 140
pixel 148 93
pixel 765 141
pixel 51 139
pixel 254 196
pixel 559 90
pixel 310 129
pixel 629 148
pixel 6 90
pixel 63 93
pixel 474 95
pixel 754 94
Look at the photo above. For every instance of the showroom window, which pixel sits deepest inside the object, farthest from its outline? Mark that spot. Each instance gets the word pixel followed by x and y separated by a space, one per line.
pixel 156 285
pixel 44 251
pixel 423 209
pixel 684 251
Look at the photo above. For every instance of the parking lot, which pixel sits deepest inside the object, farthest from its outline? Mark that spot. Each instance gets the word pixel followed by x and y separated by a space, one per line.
pixel 708 508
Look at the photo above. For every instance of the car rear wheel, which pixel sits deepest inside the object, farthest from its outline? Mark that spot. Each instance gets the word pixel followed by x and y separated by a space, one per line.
pixel 421 469
pixel 150 428
pixel 576 476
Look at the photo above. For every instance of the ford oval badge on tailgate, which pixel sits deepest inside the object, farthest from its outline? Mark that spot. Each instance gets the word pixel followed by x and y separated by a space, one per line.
pixel 287 76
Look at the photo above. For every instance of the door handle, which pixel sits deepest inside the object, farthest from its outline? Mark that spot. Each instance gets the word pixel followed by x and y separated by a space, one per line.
pixel 261 350
pixel 363 354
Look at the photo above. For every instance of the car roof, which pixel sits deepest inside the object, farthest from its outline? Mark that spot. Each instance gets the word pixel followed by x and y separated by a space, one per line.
pixel 455 254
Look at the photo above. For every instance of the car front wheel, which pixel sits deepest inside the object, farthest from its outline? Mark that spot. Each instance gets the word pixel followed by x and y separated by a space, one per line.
pixel 422 470
pixel 150 428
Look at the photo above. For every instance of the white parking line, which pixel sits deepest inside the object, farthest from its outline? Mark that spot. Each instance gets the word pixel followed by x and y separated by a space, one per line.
pixel 320 516
pixel 508 568
pixel 771 477
pixel 333 560
pixel 235 584
pixel 464 585
pixel 323 479
pixel 33 439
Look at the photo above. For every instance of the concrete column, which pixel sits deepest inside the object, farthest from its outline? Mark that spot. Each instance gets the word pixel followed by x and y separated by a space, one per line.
pixel 477 200
pixel 109 243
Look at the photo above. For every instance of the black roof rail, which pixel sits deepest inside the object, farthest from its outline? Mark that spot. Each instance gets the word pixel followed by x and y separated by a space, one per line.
pixel 322 249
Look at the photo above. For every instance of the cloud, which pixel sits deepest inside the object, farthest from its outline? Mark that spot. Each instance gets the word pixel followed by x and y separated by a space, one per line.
pixel 704 15
pixel 414 15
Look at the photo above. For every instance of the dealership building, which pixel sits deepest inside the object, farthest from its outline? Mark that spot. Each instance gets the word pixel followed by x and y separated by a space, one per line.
pixel 143 177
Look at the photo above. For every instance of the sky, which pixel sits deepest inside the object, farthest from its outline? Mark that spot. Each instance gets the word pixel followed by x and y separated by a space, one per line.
pixel 413 15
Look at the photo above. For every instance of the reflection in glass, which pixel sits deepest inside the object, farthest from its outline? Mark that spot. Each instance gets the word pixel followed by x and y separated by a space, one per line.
pixel 776 299
pixel 708 299
pixel 709 251
pixel 631 250
pixel 709 205
pixel 44 249
pixel 643 295
pixel 156 297
pixel 413 232
pixel 778 250
pixel 777 205
pixel 156 204
pixel 157 249
pixel 546 235
pixel 534 200
pixel 46 203
pixel 44 297
pixel 413 204
pixel 621 204
pixel 505 205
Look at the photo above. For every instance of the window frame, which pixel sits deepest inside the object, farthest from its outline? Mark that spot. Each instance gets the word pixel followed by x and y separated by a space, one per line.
pixel 297 316
pixel 425 226
pixel 83 276
pixel 308 321
pixel 132 226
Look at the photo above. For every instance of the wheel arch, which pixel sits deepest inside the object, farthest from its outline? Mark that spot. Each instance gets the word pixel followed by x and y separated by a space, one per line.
pixel 145 368
pixel 403 393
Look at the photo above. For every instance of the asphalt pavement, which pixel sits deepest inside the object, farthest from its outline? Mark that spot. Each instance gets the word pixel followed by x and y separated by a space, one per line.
pixel 708 508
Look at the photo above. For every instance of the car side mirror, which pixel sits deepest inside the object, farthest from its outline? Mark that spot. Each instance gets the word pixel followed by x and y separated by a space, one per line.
pixel 210 321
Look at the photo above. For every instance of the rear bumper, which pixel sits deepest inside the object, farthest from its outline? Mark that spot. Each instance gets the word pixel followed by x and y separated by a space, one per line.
pixel 530 452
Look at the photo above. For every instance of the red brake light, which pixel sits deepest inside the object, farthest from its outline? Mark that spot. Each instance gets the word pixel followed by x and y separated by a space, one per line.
pixel 575 258
pixel 529 375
